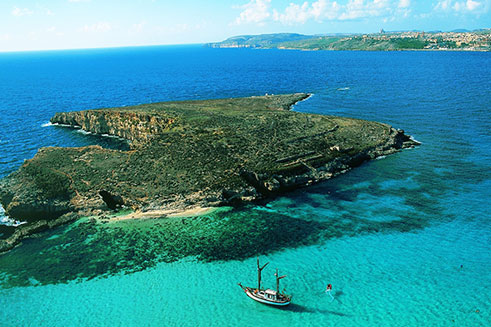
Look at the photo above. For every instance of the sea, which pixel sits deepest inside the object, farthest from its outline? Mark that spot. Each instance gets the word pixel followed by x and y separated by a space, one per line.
pixel 404 240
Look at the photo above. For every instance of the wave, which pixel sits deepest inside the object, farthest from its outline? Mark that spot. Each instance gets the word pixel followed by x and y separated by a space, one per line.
pixel 295 104
pixel 7 221
pixel 413 139
pixel 310 95
pixel 82 131
pixel 61 125
pixel 112 136
pixel 343 89
pixel 11 222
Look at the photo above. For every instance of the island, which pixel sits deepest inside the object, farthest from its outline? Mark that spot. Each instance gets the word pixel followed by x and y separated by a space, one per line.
pixel 478 40
pixel 188 155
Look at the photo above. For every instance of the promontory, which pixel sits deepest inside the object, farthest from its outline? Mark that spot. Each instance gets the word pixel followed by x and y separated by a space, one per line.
pixel 188 154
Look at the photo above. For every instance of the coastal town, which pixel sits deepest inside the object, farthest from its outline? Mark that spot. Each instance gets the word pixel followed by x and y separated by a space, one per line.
pixel 462 40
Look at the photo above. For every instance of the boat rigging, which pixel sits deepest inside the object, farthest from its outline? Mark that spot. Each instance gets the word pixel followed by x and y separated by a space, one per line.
pixel 267 296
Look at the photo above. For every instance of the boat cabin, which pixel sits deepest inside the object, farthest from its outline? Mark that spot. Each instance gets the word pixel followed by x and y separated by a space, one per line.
pixel 270 294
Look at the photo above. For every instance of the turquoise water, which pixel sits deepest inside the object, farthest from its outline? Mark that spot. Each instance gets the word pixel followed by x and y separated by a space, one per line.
pixel 405 240
pixel 393 279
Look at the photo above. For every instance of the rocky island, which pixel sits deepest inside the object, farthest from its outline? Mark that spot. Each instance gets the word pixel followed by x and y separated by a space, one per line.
pixel 188 154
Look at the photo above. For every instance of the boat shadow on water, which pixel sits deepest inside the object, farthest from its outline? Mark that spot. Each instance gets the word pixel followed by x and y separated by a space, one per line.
pixel 294 307
pixel 337 295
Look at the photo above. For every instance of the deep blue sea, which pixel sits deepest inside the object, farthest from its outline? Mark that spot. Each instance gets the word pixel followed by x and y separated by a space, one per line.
pixel 406 240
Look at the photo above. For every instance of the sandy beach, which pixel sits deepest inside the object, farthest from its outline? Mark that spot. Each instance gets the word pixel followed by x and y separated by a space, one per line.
pixel 188 212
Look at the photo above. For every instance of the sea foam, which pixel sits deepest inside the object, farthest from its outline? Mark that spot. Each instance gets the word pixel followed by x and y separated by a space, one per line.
pixel 83 132
pixel 6 220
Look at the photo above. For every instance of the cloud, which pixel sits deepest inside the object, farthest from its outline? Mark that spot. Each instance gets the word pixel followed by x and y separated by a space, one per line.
pixel 259 11
pixel 404 3
pixel 356 9
pixel 18 12
pixel 468 6
pixel 97 27
pixel 299 14
pixel 443 5
pixel 255 11
pixel 294 14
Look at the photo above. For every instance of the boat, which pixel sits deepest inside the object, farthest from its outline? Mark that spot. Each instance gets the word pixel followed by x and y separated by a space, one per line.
pixel 267 296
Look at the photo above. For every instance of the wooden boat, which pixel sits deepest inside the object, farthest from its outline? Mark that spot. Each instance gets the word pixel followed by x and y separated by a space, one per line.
pixel 267 296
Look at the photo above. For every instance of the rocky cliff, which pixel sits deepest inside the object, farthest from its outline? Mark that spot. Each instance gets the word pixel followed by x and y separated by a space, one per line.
pixel 183 154
pixel 132 126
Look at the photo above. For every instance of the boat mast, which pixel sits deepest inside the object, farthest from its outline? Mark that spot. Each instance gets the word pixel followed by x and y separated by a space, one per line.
pixel 278 280
pixel 259 269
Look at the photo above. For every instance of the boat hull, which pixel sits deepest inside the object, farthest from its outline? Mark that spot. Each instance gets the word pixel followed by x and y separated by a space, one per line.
pixel 250 293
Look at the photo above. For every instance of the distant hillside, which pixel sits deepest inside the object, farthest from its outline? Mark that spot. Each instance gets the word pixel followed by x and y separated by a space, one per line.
pixel 354 43
pixel 258 41
pixel 392 41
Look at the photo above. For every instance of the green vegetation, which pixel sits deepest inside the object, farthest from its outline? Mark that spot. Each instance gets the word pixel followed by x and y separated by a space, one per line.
pixel 51 183
pixel 319 43
pixel 355 43
pixel 193 153
pixel 407 43
pixel 478 40
pixel 263 40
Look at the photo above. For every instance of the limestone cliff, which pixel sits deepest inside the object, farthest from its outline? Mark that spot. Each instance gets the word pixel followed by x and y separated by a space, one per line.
pixel 133 126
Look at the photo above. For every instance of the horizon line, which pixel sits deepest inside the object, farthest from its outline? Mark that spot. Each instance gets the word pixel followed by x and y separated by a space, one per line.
pixel 101 47
pixel 202 43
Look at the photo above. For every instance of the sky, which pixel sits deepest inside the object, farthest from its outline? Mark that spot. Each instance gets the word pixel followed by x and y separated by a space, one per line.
pixel 69 24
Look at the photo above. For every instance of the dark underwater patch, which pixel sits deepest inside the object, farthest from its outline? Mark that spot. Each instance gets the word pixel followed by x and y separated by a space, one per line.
pixel 89 249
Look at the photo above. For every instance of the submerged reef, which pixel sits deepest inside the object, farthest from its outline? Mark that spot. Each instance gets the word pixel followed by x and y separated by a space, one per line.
pixel 98 248
pixel 191 153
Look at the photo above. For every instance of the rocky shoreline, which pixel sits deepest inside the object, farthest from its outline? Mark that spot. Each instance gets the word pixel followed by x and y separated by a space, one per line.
pixel 187 154
pixel 24 231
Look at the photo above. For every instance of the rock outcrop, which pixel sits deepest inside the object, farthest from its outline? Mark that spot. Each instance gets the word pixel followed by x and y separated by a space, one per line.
pixel 190 153
pixel 112 201
pixel 132 126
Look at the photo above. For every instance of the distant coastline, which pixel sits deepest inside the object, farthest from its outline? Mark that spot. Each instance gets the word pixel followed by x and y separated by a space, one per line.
pixel 479 40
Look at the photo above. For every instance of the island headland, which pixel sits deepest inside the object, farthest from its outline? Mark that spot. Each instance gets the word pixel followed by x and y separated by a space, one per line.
pixel 188 154
pixel 459 40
